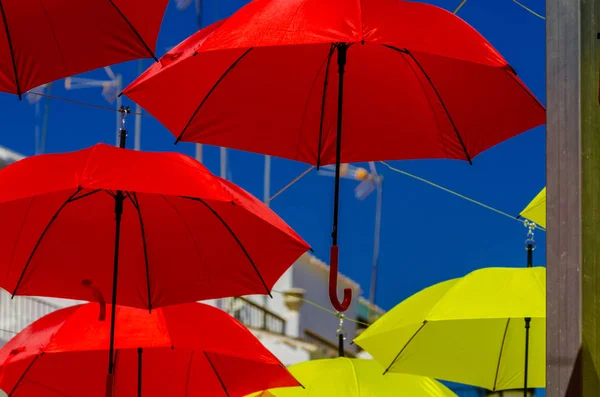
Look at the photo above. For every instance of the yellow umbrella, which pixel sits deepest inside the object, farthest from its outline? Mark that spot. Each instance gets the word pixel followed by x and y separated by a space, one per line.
pixel 536 210
pixel 469 330
pixel 344 377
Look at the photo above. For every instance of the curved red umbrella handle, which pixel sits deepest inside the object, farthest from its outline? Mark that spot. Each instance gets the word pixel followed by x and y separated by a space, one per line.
pixel 97 297
pixel 333 276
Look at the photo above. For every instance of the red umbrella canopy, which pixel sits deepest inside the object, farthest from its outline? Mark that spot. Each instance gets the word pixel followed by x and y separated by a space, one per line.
pixel 185 350
pixel 185 234
pixel 419 83
pixel 45 41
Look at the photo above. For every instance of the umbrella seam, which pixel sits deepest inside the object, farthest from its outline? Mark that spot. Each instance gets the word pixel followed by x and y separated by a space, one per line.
pixel 462 144
pixel 323 101
pixel 299 141
pixel 12 256
pixel 229 69
pixel 41 238
pixel 215 213
pixel 354 377
pixel 187 376
pixel 24 374
pixel 514 78
pixel 136 204
pixel 128 22
pixel 187 226
pixel 433 112
pixel 62 58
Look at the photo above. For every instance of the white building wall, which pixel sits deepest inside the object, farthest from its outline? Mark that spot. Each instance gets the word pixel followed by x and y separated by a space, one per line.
pixel 315 280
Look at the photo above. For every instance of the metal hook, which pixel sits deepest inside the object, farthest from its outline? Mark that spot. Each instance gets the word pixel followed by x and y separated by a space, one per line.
pixel 530 240
pixel 124 112
pixel 333 278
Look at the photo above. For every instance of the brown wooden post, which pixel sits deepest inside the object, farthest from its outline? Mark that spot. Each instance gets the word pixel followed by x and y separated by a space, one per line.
pixel 573 197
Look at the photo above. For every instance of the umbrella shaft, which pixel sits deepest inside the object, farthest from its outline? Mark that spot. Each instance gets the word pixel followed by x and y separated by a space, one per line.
pixel 525 373
pixel 340 345
pixel 341 59
pixel 139 393
pixel 119 198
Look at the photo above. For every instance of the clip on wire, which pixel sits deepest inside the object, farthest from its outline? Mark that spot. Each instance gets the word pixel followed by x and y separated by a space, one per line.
pixel 531 226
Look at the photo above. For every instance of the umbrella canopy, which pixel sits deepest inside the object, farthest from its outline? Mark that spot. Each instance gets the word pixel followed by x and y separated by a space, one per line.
pixel 419 83
pixel 281 77
pixel 343 377
pixel 45 41
pixel 186 235
pixel 184 350
pixel 536 210
pixel 469 330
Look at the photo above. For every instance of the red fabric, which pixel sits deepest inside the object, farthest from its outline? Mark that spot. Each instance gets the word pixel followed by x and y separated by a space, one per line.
pixel 69 350
pixel 59 38
pixel 192 255
pixel 270 101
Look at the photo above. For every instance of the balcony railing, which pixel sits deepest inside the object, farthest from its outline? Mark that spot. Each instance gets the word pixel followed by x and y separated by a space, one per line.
pixel 18 313
pixel 253 315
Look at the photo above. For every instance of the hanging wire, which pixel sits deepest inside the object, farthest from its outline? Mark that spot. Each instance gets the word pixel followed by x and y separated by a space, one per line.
pixel 529 9
pixel 90 105
pixel 462 196
pixel 462 3
pixel 286 187
pixel 332 312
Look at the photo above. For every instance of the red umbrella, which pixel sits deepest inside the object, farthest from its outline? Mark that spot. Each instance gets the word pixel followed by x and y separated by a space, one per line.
pixel 156 228
pixel 44 41
pixel 413 81
pixel 184 350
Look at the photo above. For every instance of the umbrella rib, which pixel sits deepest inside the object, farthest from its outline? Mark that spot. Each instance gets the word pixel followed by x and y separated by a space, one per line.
pixel 462 144
pixel 229 69
pixel 136 204
pixel 152 55
pixel 24 374
pixel 12 53
pixel 37 244
pixel 323 100
pixel 215 213
pixel 405 346
pixel 501 352
pixel 217 374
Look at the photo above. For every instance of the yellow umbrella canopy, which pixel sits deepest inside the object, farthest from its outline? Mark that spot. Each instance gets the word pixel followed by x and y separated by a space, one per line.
pixel 468 330
pixel 536 210
pixel 344 377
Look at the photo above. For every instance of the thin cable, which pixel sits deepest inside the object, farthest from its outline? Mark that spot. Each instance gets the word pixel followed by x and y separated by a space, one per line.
pixel 286 187
pixel 7 331
pixel 456 194
pixel 530 10
pixel 462 3
pixel 334 313
pixel 90 105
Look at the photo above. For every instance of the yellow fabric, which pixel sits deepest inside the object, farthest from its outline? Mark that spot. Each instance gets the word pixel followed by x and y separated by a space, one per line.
pixel 536 210
pixel 469 330
pixel 344 377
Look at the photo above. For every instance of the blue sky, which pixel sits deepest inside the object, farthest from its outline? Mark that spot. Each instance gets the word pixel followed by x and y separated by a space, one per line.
pixel 427 235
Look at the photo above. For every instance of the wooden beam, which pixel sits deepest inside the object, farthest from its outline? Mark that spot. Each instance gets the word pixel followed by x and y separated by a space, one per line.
pixel 573 197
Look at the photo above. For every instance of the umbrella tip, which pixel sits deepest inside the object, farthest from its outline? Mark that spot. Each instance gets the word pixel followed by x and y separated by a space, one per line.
pixel 120 94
